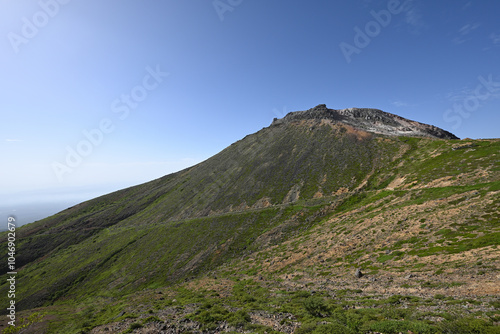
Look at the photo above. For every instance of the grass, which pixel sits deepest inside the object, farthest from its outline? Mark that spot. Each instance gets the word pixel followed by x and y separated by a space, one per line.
pixel 206 220
pixel 323 314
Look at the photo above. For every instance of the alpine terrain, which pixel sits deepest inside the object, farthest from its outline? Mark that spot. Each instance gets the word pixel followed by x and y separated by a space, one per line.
pixel 326 221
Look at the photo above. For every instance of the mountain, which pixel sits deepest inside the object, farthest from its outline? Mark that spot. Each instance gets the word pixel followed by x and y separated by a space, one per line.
pixel 268 234
pixel 370 120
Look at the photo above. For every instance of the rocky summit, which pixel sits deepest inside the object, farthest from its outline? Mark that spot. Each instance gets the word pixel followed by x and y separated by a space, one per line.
pixel 370 120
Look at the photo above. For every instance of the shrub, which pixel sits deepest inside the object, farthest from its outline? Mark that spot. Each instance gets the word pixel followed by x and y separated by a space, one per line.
pixel 239 318
pixel 467 326
pixel 404 326
pixel 151 319
pixel 211 315
pixel 333 328
pixel 135 325
pixel 316 306
pixel 301 293
pixel 306 328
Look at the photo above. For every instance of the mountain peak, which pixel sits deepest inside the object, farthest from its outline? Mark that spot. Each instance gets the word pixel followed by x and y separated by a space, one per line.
pixel 320 107
pixel 369 120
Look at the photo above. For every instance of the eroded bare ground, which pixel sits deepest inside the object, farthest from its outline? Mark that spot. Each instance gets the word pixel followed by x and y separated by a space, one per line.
pixel 373 243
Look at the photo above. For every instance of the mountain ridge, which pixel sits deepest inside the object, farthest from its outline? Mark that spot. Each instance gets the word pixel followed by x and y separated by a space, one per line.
pixel 368 119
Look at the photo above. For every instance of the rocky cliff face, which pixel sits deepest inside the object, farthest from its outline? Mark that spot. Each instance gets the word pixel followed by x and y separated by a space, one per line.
pixel 370 120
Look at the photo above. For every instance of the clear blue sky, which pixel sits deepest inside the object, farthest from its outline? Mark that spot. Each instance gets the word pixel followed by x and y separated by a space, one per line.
pixel 170 83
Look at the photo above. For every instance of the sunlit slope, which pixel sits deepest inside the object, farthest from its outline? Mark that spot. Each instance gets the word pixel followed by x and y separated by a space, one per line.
pixel 424 230
pixel 299 161
pixel 160 231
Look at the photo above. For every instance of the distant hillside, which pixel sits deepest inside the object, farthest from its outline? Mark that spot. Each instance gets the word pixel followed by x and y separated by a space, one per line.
pixel 281 217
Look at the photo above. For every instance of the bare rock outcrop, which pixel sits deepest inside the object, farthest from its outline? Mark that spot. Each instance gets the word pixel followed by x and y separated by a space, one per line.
pixel 370 120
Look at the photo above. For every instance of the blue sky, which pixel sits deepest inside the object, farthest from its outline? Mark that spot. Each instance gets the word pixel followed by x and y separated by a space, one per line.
pixel 140 89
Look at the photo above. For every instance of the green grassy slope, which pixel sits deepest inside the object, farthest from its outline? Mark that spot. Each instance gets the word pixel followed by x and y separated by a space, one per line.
pixel 155 223
pixel 295 206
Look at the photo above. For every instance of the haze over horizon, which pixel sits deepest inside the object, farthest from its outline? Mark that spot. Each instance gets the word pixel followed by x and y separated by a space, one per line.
pixel 99 96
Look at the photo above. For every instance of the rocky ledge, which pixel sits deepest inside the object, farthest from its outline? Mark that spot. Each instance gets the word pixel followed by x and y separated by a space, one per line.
pixel 370 120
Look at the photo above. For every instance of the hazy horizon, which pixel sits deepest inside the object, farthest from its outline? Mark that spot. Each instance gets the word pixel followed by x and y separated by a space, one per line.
pixel 30 206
